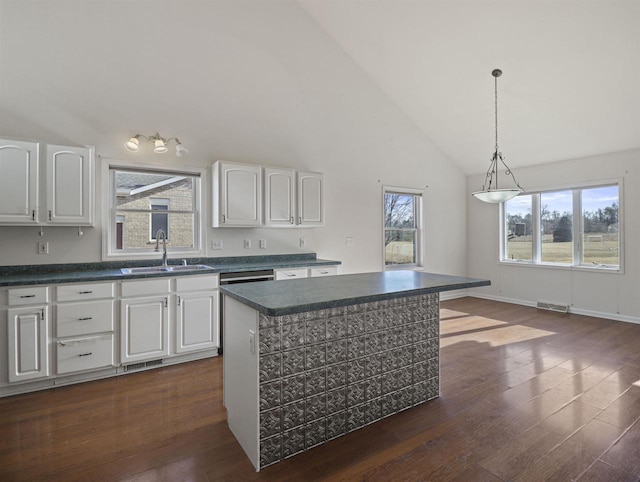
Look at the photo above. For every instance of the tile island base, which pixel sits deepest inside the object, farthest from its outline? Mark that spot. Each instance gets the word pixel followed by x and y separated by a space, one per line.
pixel 296 380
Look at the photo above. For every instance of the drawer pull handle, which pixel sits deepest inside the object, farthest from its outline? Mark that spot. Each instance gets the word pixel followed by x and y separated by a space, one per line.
pixel 324 272
pixel 27 296
pixel 290 275
pixel 84 292
pixel 85 354
pixel 85 319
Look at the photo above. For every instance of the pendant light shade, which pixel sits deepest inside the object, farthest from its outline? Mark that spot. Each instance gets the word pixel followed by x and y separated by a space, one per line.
pixel 490 192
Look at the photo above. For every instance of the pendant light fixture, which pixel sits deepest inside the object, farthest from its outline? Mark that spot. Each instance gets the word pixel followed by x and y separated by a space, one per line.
pixel 490 192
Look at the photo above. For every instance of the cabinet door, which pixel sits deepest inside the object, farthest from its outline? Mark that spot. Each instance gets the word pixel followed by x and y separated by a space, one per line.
pixel 69 185
pixel 310 199
pixel 144 327
pixel 237 190
pixel 28 343
pixel 18 182
pixel 197 321
pixel 279 197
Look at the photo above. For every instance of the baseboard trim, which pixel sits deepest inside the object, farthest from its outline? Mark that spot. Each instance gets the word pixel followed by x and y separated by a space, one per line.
pixel 452 295
pixel 572 310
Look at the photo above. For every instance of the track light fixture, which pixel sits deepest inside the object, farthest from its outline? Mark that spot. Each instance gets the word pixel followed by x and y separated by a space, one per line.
pixel 159 144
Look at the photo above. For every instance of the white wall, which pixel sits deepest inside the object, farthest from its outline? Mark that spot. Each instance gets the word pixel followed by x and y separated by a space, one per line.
pixel 240 81
pixel 601 294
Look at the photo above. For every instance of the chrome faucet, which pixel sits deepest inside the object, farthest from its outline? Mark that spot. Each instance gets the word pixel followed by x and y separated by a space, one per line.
pixel 159 233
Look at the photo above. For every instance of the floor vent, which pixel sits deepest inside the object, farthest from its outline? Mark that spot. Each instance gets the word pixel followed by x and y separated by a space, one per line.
pixel 141 365
pixel 543 305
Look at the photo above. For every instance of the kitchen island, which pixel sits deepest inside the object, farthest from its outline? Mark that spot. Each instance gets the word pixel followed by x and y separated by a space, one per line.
pixel 309 360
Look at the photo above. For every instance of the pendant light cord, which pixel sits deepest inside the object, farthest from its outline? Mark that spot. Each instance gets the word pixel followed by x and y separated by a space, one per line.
pixel 496 108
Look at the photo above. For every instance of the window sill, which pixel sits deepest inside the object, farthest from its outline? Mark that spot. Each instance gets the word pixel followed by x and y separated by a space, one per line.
pixel 146 254
pixel 398 267
pixel 566 267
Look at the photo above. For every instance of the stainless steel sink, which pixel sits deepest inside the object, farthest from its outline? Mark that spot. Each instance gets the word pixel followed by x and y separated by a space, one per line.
pixel 189 267
pixel 164 269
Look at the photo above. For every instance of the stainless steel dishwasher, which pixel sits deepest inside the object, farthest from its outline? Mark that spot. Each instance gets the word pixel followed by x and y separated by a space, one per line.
pixel 235 278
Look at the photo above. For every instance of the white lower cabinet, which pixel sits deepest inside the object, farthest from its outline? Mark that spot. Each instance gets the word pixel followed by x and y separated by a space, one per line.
pixel 291 273
pixel 28 343
pixel 144 329
pixel 75 332
pixel 323 271
pixel 168 317
pixel 197 321
pixel 84 323
pixel 90 353
pixel 306 272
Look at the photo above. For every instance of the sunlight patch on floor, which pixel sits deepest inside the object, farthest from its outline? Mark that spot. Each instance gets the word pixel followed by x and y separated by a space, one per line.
pixel 495 335
pixel 468 323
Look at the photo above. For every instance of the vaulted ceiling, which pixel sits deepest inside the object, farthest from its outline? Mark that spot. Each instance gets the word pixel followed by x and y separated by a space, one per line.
pixel 292 74
pixel 571 81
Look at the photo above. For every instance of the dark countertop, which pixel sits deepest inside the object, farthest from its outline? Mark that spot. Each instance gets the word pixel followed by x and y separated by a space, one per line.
pixel 110 270
pixel 276 298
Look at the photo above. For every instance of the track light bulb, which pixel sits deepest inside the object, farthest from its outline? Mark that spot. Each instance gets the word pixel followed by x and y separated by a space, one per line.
pixel 133 144
pixel 159 148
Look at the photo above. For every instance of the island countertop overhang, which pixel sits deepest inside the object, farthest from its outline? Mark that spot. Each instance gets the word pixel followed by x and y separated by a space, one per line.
pixel 285 297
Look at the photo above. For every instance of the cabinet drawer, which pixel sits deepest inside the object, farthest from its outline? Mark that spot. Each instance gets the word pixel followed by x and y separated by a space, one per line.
pixel 324 271
pixel 145 287
pixel 291 273
pixel 27 296
pixel 84 292
pixel 197 283
pixel 84 354
pixel 75 319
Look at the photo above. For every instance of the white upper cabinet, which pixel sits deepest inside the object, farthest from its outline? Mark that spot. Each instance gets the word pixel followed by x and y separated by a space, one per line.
pixel 18 182
pixel 237 194
pixel 280 190
pixel 310 199
pixel 69 185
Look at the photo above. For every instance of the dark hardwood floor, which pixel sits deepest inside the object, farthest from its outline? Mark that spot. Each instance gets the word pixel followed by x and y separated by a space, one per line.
pixel 525 395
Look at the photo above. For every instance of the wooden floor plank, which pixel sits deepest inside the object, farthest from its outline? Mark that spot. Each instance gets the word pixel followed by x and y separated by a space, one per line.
pixel 525 395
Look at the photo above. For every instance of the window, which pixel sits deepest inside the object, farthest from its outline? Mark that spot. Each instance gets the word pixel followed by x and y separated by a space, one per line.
pixel 578 227
pixel 402 228
pixel 144 201
pixel 159 220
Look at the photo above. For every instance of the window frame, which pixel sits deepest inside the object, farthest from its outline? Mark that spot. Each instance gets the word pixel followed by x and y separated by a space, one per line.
pixel 109 242
pixel 577 229
pixel 418 229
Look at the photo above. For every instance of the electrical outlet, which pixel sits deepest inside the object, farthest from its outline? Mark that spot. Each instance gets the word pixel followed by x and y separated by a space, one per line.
pixel 247 244
pixel 263 244
pixel 43 247
pixel 349 241
pixel 303 242
pixel 216 244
